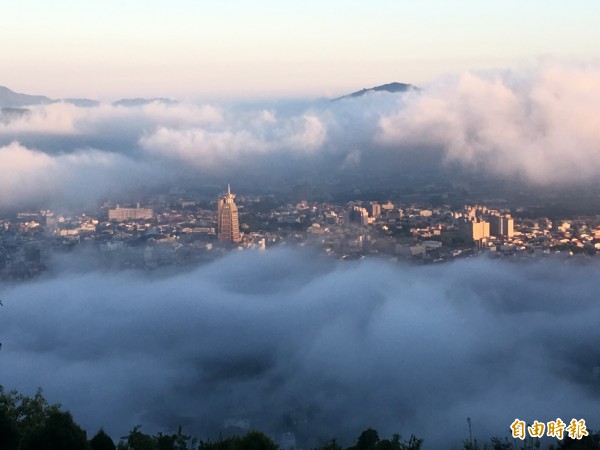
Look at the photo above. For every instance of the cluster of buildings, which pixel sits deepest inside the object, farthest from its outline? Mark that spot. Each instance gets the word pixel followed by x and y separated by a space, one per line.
pixel 479 224
pixel 421 233
pixel 170 231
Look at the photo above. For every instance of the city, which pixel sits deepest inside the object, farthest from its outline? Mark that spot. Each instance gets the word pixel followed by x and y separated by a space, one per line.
pixel 175 230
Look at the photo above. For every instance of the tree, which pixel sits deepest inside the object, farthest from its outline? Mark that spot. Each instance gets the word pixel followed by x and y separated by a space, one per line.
pixel 165 441
pixel 255 440
pixel 331 445
pixel 590 442
pixel 413 443
pixel 470 444
pixel 102 441
pixel 386 444
pixel 58 432
pixel 24 414
pixel 499 444
pixel 140 441
pixel 367 440
pixel 9 434
pixel 177 441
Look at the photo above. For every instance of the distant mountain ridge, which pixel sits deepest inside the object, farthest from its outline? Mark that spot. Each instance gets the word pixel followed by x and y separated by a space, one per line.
pixel 394 87
pixel 12 99
pixel 143 101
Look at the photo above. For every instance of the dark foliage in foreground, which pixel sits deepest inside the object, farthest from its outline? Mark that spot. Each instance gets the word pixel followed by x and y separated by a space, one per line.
pixel 31 423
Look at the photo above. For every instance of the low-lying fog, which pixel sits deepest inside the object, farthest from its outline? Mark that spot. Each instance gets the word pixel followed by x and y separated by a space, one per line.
pixel 293 341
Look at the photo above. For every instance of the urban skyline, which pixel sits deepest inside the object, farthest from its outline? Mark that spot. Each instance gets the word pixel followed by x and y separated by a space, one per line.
pixel 174 230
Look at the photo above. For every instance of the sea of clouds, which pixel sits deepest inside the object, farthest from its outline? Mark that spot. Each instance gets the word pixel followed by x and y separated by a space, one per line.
pixel 287 339
pixel 537 123
pixel 293 341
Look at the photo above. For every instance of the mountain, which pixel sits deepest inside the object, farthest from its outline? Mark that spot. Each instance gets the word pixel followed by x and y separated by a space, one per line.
pixel 11 99
pixel 130 102
pixel 390 87
pixel 81 102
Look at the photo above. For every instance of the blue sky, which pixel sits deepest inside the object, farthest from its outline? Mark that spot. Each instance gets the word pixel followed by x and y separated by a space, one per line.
pixel 271 49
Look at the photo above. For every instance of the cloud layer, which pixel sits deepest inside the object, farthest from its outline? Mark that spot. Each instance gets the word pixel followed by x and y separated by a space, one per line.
pixel 294 342
pixel 29 178
pixel 536 124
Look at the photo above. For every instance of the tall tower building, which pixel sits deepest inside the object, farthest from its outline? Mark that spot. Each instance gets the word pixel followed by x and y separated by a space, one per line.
pixel 227 216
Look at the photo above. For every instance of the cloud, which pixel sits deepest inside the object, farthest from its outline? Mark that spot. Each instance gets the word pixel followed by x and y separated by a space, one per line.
pixel 173 141
pixel 302 343
pixel 66 118
pixel 537 123
pixel 308 134
pixel 30 177
pixel 182 114
pixel 236 145
pixel 202 148
pixel 57 118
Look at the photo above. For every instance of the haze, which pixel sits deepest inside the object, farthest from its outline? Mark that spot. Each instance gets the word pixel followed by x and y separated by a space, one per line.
pixel 295 342
pixel 514 125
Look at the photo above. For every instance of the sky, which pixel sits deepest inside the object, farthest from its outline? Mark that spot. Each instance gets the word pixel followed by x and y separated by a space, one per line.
pixel 275 49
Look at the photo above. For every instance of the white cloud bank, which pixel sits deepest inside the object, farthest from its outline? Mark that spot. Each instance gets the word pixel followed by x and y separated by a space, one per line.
pixel 538 124
pixel 343 346
pixel 237 143
pixel 30 176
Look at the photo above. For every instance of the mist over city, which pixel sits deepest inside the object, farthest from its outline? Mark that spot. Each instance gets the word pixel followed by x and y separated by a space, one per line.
pixel 299 225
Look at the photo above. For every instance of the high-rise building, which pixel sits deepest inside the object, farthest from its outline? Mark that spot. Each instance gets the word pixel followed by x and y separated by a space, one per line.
pixel 227 216
pixel 475 230
pixel 502 226
pixel 375 209
pixel 357 215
